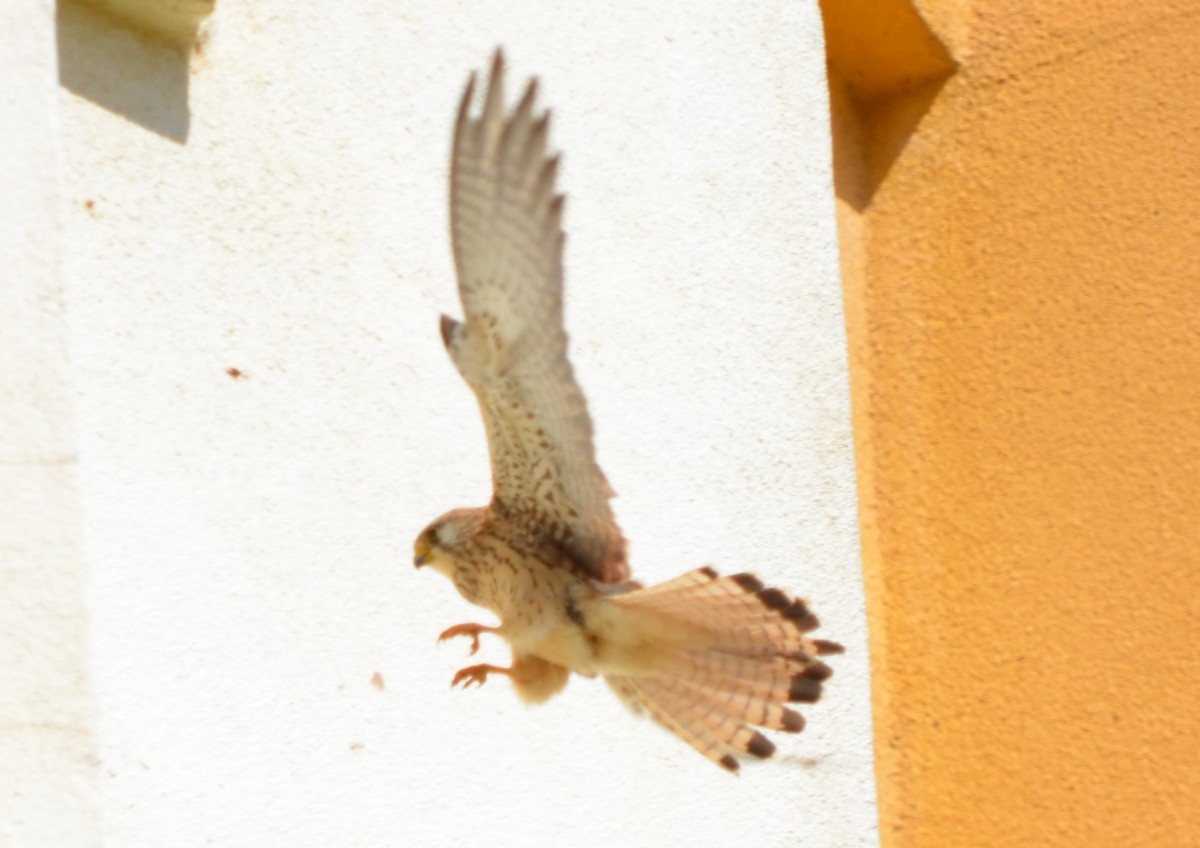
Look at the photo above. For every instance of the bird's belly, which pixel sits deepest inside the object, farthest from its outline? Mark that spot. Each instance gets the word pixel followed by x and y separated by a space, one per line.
pixel 563 644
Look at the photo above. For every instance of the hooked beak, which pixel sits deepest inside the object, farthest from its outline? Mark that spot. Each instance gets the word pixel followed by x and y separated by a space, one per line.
pixel 448 327
pixel 420 555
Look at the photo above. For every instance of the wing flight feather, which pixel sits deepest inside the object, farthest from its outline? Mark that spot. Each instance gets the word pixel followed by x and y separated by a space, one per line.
pixel 511 347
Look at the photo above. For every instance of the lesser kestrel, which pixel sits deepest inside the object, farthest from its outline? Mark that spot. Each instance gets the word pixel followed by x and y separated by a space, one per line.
pixel 710 657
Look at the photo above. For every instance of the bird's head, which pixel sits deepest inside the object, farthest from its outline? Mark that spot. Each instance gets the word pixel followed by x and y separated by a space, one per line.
pixel 440 544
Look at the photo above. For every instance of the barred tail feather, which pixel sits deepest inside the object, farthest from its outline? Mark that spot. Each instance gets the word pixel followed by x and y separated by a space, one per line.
pixel 676 716
pixel 744 654
pixel 726 725
pixel 754 710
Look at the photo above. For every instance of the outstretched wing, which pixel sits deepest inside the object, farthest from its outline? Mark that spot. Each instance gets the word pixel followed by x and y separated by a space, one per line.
pixel 505 219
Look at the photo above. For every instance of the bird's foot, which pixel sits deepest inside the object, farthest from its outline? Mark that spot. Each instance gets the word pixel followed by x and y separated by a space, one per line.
pixel 477 674
pixel 472 630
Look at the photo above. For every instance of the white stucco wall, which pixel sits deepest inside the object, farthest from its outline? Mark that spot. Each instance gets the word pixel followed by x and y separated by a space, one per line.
pixel 248 540
pixel 47 767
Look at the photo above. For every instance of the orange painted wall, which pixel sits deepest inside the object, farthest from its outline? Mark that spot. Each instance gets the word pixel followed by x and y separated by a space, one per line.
pixel 1021 247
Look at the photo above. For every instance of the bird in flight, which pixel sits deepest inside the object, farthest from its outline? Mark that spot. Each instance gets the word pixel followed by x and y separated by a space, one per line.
pixel 710 657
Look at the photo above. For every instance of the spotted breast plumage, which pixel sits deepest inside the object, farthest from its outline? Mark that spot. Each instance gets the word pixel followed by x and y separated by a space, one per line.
pixel 710 657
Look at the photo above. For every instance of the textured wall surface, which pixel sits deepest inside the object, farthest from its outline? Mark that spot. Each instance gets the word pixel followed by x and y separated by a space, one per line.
pixel 46 764
pixel 277 207
pixel 1028 325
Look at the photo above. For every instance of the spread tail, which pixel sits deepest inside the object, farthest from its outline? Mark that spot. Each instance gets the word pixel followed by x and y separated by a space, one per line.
pixel 737 654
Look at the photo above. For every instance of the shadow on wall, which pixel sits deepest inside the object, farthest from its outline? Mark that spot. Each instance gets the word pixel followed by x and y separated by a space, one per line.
pixel 885 69
pixel 138 77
